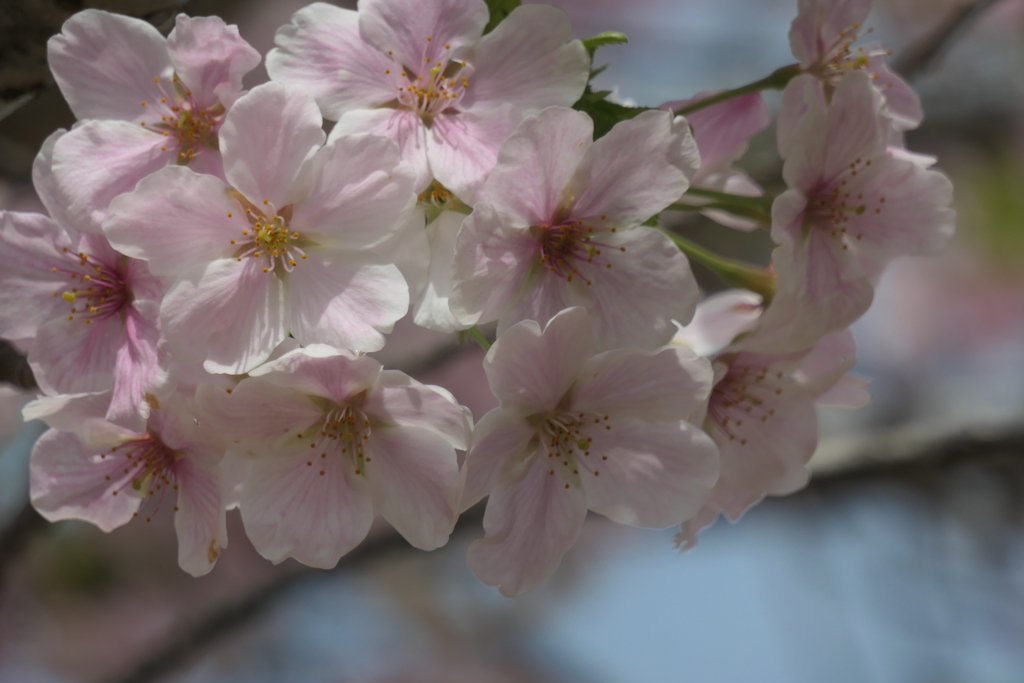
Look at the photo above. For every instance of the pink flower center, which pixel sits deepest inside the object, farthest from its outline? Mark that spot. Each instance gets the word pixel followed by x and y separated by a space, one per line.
pixel 744 394
pixel 98 290
pixel 146 466
pixel 569 249
pixel 431 87
pixel 831 207
pixel 342 434
pixel 182 118
pixel 564 437
pixel 844 56
pixel 268 238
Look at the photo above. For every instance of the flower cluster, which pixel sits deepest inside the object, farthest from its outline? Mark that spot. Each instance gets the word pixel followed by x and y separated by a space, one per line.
pixel 198 304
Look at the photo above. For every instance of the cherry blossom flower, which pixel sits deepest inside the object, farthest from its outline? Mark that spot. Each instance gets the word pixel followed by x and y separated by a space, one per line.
pixel 144 101
pixel 431 309
pixel 761 412
pixel 421 74
pixel 558 224
pixel 88 468
pixel 334 439
pixel 722 133
pixel 86 314
pixel 824 37
pixel 576 431
pixel 287 247
pixel 853 205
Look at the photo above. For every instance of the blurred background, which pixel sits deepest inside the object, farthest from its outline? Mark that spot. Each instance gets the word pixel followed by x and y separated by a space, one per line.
pixel 902 562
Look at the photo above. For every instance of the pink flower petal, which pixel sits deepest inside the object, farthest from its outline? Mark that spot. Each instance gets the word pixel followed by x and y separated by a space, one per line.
pixel 231 312
pixel 818 26
pixel 802 94
pixel 431 310
pixel 45 184
pixel 530 370
pixel 200 520
pixel 358 193
pixel 290 509
pixel 492 258
pixel 656 474
pixel 257 415
pixel 210 58
pixel 634 302
pixel 69 480
pixel 322 52
pixel 764 456
pixel 532 519
pixel 138 369
pixel 265 139
pixel 913 220
pixel 499 439
pixel 551 146
pixel 401 401
pixel 722 131
pixel 32 250
pixel 403 126
pixel 463 147
pixel 175 220
pixel 105 64
pixel 415 475
pixel 422 32
pixel 530 61
pixel 666 385
pixel 640 167
pixel 719 319
pixel 321 370
pixel 347 300
pixel 69 356
pixel 98 160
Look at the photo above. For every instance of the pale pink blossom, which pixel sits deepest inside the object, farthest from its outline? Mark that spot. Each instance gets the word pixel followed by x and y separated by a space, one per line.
pixel 333 439
pixel 558 224
pixel 422 74
pixel 824 37
pixel 853 205
pixel 722 133
pixel 286 247
pixel 87 315
pixel 719 319
pixel 761 412
pixel 143 101
pixel 431 308
pixel 88 468
pixel 576 431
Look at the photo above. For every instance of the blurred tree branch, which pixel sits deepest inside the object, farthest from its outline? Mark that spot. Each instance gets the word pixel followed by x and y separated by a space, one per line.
pixel 922 55
pixel 207 631
pixel 897 456
pixel 15 538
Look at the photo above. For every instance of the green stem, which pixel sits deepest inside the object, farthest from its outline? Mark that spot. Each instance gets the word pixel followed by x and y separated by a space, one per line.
pixel 753 214
pixel 762 203
pixel 731 272
pixel 479 337
pixel 777 80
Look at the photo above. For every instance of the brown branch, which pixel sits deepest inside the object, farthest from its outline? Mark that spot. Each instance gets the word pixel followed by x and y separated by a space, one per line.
pixel 899 455
pixel 15 538
pixel 920 56
pixel 198 637
pixel 918 453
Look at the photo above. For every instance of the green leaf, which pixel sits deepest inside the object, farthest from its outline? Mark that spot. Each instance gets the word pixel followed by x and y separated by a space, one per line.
pixel 604 113
pixel 606 38
pixel 499 10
